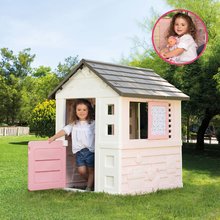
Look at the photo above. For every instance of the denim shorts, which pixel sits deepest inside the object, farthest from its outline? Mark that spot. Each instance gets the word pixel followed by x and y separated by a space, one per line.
pixel 85 157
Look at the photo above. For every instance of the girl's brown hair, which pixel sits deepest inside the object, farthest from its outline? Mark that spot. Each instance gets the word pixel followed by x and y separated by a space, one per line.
pixel 191 25
pixel 90 116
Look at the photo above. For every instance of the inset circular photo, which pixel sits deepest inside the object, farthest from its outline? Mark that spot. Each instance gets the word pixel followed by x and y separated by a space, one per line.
pixel 179 37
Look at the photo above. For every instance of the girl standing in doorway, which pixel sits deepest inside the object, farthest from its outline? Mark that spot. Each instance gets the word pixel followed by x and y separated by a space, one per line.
pixel 82 131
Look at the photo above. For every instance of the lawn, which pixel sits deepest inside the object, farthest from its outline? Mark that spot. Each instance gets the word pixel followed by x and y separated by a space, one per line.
pixel 198 199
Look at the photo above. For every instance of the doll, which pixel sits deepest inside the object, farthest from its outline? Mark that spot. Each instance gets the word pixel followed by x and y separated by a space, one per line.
pixel 172 43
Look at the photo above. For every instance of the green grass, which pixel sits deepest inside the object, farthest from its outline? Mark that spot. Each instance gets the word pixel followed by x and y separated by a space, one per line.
pixel 198 199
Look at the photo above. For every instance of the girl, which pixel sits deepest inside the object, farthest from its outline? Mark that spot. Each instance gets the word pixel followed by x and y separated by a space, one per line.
pixel 82 131
pixel 182 27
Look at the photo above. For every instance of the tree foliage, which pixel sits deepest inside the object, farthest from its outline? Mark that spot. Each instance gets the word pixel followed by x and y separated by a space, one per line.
pixel 10 98
pixel 13 69
pixel 23 87
pixel 64 69
pixel 35 90
pixel 43 118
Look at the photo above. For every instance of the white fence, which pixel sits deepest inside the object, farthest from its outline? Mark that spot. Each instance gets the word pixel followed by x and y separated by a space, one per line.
pixel 14 131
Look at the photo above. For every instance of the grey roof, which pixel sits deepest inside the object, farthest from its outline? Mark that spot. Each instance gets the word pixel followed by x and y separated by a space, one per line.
pixel 129 81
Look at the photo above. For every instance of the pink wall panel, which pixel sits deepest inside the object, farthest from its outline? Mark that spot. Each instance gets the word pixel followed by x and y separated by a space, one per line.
pixel 46 165
pixel 145 171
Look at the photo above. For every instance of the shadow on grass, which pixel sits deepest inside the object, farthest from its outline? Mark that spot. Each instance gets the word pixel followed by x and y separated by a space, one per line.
pixel 207 161
pixel 20 143
pixel 210 150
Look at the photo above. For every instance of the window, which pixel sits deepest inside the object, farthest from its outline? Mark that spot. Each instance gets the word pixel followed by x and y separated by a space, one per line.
pixel 150 120
pixel 138 126
pixel 110 129
pixel 111 110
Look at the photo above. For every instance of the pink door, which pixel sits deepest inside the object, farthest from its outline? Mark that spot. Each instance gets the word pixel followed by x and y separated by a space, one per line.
pixel 46 165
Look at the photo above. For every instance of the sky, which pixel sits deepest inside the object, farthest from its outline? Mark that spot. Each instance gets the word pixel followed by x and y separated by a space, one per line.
pixel 102 30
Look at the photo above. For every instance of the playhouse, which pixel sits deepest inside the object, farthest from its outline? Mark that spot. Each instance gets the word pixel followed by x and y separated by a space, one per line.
pixel 137 134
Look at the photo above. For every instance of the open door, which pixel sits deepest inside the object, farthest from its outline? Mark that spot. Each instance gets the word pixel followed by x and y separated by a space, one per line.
pixel 46 165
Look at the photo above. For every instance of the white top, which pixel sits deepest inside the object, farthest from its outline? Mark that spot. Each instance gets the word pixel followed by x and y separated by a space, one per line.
pixel 188 44
pixel 83 135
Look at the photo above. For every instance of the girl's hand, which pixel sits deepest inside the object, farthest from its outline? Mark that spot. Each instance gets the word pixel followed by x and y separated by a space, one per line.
pixel 163 55
pixel 174 53
pixel 164 50
pixel 51 139
pixel 61 133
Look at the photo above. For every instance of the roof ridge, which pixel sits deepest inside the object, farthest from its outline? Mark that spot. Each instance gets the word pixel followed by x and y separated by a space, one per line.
pixel 117 65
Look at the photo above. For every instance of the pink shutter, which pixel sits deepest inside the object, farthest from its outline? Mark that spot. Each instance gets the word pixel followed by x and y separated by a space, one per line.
pixel 158 120
pixel 46 165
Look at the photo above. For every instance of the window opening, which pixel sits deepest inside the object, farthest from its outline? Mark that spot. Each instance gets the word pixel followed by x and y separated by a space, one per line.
pixel 138 126
pixel 111 109
pixel 110 129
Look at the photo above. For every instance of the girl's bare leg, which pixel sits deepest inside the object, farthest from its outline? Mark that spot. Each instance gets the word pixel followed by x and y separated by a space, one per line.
pixel 88 174
pixel 82 170
pixel 90 177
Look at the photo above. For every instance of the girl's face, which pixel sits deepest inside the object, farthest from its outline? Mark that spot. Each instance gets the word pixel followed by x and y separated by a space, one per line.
pixel 82 112
pixel 180 26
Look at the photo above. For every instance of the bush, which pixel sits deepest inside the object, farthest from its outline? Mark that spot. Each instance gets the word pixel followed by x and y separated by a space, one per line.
pixel 3 124
pixel 43 119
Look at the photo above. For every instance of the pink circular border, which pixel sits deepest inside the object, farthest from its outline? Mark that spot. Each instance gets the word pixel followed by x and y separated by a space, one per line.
pixel 173 63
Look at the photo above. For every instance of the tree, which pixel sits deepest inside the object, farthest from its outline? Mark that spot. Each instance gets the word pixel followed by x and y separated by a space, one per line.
pixel 41 71
pixel 36 89
pixel 64 69
pixel 45 82
pixel 19 66
pixel 23 87
pixel 13 69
